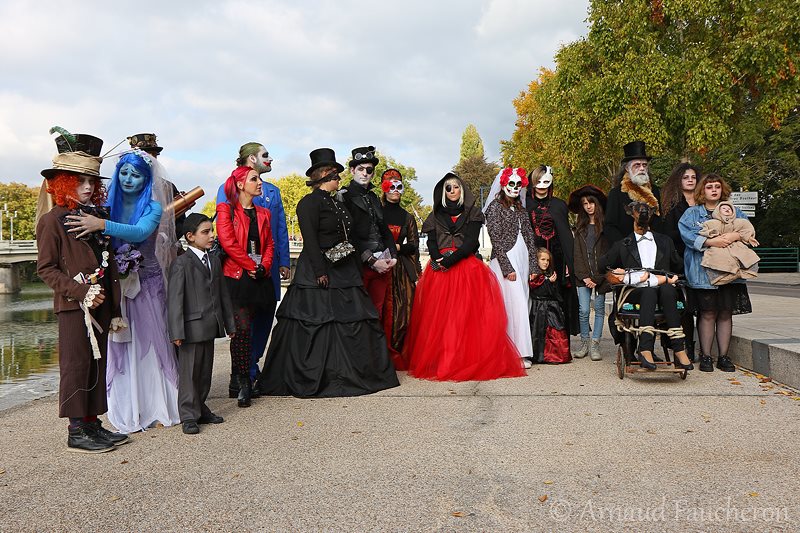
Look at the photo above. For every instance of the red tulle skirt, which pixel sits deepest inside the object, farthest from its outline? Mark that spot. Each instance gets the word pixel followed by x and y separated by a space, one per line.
pixel 458 327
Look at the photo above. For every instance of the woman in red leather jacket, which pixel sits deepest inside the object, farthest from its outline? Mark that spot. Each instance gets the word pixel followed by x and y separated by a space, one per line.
pixel 245 235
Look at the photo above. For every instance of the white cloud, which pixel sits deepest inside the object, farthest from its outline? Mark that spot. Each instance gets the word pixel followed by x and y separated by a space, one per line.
pixel 207 76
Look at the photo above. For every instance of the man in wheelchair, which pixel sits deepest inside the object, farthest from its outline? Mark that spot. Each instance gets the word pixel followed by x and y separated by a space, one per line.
pixel 630 262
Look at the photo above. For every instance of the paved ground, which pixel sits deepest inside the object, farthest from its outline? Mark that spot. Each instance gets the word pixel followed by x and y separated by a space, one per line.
pixel 569 448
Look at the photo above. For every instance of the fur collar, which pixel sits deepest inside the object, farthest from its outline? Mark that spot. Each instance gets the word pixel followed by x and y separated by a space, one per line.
pixel 638 193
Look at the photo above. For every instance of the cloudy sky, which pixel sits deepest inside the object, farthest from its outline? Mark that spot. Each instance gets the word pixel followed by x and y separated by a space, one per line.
pixel 208 76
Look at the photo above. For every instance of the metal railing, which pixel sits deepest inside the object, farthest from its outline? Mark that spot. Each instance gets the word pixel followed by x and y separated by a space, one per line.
pixel 778 259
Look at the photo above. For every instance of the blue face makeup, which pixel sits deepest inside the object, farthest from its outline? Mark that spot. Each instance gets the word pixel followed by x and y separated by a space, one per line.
pixel 130 179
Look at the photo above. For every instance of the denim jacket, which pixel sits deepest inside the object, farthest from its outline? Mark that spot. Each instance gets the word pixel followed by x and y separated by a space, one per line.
pixel 689 226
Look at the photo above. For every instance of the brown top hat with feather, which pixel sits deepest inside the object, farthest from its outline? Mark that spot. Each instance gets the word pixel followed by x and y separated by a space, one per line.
pixel 78 153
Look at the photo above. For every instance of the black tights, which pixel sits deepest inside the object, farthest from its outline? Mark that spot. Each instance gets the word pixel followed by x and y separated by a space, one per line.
pixel 711 322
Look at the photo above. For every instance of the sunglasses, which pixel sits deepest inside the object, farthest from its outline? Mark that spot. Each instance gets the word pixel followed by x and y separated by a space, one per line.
pixel 365 155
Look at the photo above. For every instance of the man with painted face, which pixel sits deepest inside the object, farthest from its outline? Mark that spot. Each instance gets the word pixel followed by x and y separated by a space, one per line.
pixel 645 249
pixel 632 184
pixel 371 235
pixel 255 156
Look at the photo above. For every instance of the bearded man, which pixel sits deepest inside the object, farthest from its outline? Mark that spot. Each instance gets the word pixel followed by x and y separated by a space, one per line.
pixel 255 156
pixel 634 185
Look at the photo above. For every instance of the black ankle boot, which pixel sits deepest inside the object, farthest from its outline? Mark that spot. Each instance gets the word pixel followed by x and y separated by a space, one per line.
pixel 84 439
pixel 233 387
pixel 706 363
pixel 244 390
pixel 725 364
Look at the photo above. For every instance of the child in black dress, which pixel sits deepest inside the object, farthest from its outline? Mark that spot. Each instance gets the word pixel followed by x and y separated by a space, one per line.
pixel 548 333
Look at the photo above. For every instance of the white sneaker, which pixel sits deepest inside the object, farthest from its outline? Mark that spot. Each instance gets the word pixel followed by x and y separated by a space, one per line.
pixel 526 362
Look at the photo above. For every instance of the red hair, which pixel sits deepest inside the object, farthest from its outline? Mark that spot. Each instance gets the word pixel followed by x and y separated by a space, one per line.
pixel 237 176
pixel 63 186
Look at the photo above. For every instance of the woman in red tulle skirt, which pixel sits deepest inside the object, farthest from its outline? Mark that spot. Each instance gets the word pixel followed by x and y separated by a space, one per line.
pixel 458 326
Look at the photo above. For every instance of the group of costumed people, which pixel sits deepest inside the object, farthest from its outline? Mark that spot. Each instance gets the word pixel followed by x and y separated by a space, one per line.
pixel 138 313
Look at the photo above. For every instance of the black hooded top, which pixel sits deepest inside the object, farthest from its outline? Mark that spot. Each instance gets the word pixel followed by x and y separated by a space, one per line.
pixel 443 232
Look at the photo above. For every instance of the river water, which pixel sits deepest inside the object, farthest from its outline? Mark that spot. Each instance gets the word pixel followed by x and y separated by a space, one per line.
pixel 28 345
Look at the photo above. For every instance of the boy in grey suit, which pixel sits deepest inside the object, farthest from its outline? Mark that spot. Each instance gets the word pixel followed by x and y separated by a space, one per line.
pixel 199 310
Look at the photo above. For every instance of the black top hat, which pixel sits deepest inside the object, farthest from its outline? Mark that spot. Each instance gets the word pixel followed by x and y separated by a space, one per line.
pixel 576 197
pixel 364 154
pixel 635 150
pixel 322 157
pixel 78 153
pixel 146 142
pixel 79 142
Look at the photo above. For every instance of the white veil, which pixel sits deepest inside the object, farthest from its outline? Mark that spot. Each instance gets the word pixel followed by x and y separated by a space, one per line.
pixel 166 246
pixel 496 188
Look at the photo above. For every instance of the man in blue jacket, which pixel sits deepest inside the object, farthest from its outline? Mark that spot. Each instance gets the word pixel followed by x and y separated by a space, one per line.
pixel 255 156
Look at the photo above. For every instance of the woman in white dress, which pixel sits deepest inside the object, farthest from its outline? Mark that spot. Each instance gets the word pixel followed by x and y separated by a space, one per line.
pixel 141 376
pixel 513 253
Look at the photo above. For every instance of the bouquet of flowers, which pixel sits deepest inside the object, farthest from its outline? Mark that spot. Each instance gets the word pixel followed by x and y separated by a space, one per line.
pixel 128 259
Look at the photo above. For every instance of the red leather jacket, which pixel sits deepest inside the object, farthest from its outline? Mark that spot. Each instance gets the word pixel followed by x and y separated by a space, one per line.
pixel 233 238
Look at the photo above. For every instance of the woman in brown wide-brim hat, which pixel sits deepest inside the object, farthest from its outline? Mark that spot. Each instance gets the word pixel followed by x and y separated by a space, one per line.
pixel 589 203
pixel 83 276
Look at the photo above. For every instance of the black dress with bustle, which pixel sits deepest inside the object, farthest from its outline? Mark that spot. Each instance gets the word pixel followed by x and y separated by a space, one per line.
pixel 328 342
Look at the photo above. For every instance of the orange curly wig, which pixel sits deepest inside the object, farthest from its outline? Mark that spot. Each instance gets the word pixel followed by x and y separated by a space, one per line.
pixel 62 188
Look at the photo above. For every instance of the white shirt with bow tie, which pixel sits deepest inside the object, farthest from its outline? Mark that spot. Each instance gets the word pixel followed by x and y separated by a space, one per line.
pixel 647 253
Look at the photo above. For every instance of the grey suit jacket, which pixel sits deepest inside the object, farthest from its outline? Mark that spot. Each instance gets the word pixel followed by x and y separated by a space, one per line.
pixel 198 305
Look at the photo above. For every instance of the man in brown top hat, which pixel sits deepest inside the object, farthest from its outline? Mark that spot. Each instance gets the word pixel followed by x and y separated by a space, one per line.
pixel 83 275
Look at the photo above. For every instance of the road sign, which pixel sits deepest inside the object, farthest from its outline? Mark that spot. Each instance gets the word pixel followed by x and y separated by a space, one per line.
pixel 747 209
pixel 745 197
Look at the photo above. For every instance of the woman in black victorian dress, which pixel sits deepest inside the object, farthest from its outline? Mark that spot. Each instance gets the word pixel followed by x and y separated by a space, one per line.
pixel 328 341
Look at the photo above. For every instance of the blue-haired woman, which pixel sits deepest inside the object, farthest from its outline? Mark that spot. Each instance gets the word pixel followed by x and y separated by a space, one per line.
pixel 141 378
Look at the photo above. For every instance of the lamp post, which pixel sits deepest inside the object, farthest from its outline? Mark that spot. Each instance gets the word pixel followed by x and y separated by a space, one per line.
pixel 11 218
pixel 5 210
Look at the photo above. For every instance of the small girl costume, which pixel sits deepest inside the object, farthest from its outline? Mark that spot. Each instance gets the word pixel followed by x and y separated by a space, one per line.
pixel 548 328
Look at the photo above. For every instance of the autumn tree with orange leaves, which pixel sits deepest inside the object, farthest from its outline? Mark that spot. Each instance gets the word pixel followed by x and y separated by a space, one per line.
pixel 696 79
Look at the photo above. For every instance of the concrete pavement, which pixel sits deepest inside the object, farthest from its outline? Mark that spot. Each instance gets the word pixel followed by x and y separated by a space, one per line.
pixel 568 448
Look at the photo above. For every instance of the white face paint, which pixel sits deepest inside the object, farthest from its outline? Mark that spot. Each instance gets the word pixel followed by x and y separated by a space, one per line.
pixel 545 180
pixel 513 187
pixel 362 174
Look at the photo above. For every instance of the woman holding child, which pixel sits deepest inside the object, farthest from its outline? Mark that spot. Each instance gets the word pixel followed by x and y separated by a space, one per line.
pixel 715 305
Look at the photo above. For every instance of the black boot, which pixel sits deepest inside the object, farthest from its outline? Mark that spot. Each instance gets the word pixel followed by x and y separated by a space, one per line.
pixel 233 387
pixel 725 364
pixel 116 439
pixel 244 390
pixel 706 363
pixel 83 438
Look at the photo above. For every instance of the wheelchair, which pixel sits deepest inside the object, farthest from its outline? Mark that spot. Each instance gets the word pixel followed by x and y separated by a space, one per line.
pixel 623 323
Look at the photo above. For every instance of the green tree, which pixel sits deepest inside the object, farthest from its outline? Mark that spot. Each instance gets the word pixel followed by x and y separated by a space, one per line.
pixel 471 143
pixel 18 200
pixel 209 208
pixel 689 77
pixel 293 187
pixel 478 174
